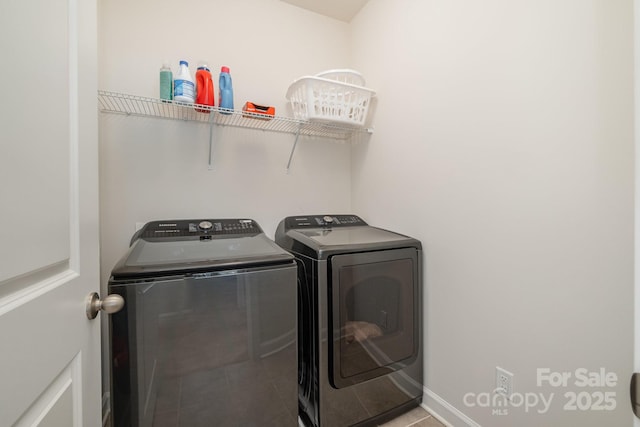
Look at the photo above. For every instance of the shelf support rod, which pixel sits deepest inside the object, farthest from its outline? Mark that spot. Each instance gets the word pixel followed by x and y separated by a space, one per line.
pixel 295 142
pixel 211 125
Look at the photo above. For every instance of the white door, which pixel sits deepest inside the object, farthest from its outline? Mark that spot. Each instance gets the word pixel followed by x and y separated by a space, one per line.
pixel 635 397
pixel 49 350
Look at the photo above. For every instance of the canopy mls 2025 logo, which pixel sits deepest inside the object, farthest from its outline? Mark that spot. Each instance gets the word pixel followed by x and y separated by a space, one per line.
pixel 577 390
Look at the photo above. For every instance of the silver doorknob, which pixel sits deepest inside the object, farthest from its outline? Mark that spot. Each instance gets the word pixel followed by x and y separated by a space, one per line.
pixel 110 304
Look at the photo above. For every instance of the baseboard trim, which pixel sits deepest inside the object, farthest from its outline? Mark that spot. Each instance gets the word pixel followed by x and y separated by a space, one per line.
pixel 106 408
pixel 452 417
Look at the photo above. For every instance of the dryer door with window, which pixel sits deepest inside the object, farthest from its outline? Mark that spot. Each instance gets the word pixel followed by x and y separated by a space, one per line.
pixel 374 314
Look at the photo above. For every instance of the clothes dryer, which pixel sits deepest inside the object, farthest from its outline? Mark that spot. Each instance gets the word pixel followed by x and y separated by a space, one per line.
pixel 360 319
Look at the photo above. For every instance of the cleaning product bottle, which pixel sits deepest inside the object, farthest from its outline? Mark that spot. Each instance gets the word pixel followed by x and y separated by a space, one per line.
pixel 204 87
pixel 166 82
pixel 183 86
pixel 226 91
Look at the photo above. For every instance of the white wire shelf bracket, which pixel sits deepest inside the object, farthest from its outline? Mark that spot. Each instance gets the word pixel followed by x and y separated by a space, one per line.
pixel 133 105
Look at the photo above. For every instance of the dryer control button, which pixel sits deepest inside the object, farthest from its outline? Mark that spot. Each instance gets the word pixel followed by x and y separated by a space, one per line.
pixel 205 225
pixel 327 219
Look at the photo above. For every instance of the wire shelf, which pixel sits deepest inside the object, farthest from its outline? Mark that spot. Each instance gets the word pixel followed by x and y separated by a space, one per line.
pixel 119 103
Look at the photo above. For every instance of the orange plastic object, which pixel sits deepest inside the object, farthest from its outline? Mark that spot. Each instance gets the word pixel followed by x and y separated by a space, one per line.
pixel 261 110
pixel 204 89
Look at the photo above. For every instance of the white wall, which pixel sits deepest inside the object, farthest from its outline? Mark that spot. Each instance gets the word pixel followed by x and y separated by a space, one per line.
pixel 154 169
pixel 504 141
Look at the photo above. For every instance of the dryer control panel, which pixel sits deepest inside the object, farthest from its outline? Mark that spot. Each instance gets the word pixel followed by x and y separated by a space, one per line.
pixel 199 228
pixel 315 221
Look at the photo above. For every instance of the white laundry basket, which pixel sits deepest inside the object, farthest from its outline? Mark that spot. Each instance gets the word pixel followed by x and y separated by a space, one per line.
pixel 343 75
pixel 328 100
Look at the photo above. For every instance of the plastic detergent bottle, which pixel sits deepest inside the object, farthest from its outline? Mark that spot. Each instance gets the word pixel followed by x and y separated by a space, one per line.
pixel 166 82
pixel 204 87
pixel 183 86
pixel 226 91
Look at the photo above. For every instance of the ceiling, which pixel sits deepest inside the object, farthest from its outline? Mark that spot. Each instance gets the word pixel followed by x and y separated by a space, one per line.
pixel 342 10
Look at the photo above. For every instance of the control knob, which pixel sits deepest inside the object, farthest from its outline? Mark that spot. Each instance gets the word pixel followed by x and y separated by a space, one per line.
pixel 205 225
pixel 327 219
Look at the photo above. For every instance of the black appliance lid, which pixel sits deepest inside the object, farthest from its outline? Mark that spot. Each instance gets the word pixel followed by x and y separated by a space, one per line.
pixel 324 235
pixel 181 246
pixel 349 236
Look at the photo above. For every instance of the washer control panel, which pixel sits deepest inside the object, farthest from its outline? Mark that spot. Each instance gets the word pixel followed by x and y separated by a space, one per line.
pixel 201 228
pixel 315 221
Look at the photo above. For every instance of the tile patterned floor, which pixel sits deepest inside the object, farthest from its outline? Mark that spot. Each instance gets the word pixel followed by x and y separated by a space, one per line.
pixel 417 417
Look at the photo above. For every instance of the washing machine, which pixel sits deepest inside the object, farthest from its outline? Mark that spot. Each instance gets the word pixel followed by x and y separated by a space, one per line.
pixel 360 328
pixel 207 336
